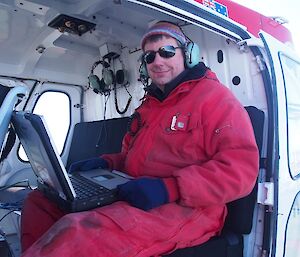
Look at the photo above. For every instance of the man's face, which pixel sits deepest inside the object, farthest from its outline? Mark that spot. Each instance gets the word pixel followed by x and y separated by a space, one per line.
pixel 163 70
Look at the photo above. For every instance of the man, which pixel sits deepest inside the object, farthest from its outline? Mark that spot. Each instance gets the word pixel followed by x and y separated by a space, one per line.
pixel 191 150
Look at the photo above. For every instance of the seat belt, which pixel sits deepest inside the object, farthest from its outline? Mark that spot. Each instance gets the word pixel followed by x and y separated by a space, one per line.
pixel 11 138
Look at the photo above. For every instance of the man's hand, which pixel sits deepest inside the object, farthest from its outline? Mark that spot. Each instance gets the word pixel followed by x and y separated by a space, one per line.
pixel 88 164
pixel 144 193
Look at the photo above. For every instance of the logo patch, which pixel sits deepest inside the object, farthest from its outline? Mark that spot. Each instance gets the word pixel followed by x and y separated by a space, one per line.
pixel 216 6
pixel 180 122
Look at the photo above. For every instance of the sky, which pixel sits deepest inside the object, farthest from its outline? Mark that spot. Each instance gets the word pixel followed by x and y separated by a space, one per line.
pixel 288 9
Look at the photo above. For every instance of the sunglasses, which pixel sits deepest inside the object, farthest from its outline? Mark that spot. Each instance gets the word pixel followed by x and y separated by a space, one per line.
pixel 164 52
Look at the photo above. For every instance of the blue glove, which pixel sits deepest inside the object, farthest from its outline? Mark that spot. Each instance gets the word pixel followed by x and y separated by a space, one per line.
pixel 144 193
pixel 89 164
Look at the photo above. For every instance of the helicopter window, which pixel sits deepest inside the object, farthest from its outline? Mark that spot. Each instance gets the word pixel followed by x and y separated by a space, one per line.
pixel 57 117
pixel 291 72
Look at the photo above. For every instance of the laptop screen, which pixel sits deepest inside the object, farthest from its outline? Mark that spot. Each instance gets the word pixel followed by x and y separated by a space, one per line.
pixel 42 154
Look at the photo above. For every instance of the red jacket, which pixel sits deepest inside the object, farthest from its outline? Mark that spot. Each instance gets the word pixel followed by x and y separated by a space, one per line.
pixel 200 140
pixel 211 151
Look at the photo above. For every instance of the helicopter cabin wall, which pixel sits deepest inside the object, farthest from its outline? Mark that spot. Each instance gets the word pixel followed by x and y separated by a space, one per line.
pixel 234 64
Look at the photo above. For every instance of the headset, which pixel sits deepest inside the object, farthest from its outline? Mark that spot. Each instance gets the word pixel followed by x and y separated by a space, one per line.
pixel 191 58
pixel 103 85
pixel 109 81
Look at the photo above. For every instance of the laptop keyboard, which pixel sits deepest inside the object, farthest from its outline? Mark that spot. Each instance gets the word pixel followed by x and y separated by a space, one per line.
pixel 85 188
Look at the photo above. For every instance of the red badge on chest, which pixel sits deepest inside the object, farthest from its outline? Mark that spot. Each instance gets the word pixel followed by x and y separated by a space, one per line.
pixel 180 122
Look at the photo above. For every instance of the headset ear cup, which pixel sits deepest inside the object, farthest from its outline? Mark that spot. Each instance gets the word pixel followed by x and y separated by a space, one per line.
pixel 94 82
pixel 121 77
pixel 143 70
pixel 102 86
pixel 192 55
pixel 108 76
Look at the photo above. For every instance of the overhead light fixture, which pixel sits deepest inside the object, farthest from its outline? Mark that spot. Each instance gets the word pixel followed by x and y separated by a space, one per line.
pixel 65 23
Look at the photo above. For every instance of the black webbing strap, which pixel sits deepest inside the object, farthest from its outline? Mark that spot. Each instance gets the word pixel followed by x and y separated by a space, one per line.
pixel 11 138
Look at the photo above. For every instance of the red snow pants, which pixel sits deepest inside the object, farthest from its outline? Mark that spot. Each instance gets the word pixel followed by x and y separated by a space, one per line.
pixel 116 230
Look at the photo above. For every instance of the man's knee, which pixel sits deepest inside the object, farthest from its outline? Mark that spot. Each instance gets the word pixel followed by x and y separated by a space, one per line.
pixel 41 212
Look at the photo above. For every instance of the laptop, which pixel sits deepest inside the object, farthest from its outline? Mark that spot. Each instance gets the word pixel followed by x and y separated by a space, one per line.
pixel 74 192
